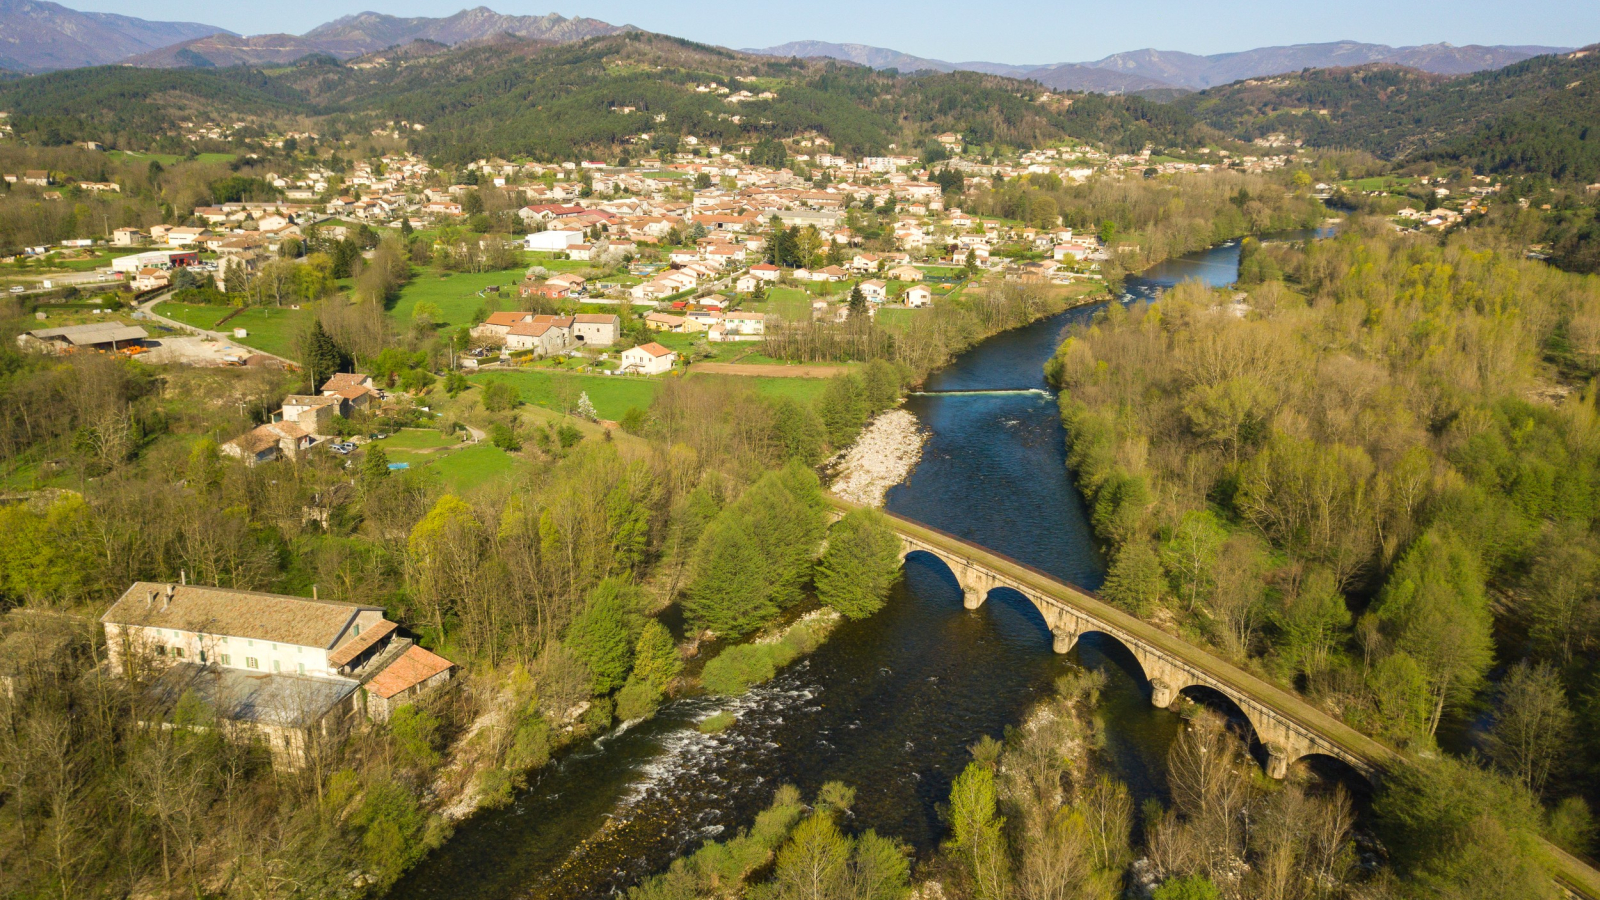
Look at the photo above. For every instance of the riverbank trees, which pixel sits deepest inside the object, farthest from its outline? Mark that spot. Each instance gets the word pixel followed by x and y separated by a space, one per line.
pixel 1360 478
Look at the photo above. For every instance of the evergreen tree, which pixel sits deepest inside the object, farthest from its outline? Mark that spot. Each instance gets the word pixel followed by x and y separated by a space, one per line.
pixel 1134 580
pixel 604 633
pixel 843 408
pixel 322 356
pixel 374 467
pixel 860 565
pixel 858 302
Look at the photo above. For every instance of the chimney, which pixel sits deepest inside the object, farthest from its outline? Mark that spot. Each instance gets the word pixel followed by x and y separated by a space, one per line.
pixel 183 576
pixel 313 592
pixel 150 598
pixel 167 601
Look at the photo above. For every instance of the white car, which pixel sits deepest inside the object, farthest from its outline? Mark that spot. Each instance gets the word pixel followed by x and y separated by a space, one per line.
pixel 17 289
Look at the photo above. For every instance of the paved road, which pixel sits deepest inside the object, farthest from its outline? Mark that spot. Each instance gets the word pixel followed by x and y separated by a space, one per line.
pixel 148 308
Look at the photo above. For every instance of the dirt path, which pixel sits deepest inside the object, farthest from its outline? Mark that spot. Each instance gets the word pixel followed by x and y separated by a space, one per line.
pixel 753 369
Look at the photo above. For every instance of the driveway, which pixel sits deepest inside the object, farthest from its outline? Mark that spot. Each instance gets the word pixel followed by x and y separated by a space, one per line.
pixel 149 306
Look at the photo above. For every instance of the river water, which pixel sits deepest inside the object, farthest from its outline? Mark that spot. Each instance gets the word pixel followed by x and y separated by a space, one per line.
pixel 888 705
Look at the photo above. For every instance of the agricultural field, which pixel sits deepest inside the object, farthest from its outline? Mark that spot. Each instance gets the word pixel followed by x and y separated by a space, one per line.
pixel 456 294
pixel 612 395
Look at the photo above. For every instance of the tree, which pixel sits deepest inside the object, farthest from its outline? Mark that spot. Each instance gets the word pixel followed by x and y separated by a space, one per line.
pixel 861 563
pixel 1435 609
pixel 1313 620
pixel 977 832
pixel 843 409
pixel 323 357
pixel 585 409
pixel 1189 887
pixel 858 302
pixel 374 466
pixel 1134 580
pixel 605 631
pixel 1532 730
pixel 444 552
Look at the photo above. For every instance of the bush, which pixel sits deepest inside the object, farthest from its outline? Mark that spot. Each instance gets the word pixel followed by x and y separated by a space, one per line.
pixel 501 435
pixel 717 723
pixel 500 396
pixel 738 668
pixel 638 699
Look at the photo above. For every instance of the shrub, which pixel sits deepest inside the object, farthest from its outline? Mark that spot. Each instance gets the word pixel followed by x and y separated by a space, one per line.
pixel 717 723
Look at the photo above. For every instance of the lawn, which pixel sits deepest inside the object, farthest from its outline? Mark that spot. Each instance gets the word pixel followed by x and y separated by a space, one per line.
pixel 789 304
pixel 416 439
pixel 455 294
pixel 612 395
pixel 169 159
pixel 200 316
pixel 464 469
pixel 805 390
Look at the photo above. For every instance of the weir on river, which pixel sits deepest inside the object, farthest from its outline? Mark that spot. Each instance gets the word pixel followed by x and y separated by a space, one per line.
pixel 888 705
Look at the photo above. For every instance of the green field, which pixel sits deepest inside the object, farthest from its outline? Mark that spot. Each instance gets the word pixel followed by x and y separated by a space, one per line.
pixel 270 328
pixel 612 395
pixel 805 390
pixel 464 469
pixel 456 295
pixel 789 304
pixel 168 159
pixel 416 439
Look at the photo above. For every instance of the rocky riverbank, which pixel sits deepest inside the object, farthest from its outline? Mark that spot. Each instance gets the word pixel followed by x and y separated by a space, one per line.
pixel 882 457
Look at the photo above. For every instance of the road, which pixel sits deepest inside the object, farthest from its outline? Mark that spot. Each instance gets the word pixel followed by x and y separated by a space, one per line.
pixel 148 308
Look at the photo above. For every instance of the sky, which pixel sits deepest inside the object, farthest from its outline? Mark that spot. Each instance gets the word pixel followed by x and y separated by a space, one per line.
pixel 1020 31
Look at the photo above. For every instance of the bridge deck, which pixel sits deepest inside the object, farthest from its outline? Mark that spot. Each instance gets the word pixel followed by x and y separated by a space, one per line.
pixel 1577 875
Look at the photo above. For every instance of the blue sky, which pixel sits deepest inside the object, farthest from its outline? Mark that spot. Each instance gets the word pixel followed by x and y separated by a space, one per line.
pixel 1018 31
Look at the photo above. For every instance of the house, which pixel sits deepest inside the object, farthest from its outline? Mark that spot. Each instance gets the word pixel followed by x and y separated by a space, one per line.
pixel 747 283
pixel 343 380
pixel 648 359
pixel 874 290
pixel 660 321
pixel 496 326
pixel 744 324
pixel 183 237
pixel 414 672
pixel 36 177
pixel 150 280
pixel 293 670
pixel 543 335
pixel 595 329
pixel 265 443
pixel 572 281
pixel 904 273
pixel 313 413
pixel 766 271
pixel 126 237
pixel 918 296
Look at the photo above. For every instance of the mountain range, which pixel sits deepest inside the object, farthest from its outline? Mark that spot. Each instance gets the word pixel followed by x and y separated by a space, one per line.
pixel 1152 70
pixel 369 32
pixel 37 36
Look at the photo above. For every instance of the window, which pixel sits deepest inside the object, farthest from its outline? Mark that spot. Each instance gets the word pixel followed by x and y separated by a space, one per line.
pixel 276 666
pixel 177 652
pixel 226 659
pixel 202 657
pixel 251 663
pixel 301 667
pixel 358 630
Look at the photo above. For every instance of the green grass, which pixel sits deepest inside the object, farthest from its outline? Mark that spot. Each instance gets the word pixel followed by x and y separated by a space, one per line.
pixel 464 469
pixel 268 328
pixel 895 318
pixel 612 395
pixel 717 723
pixel 170 159
pixel 805 390
pixel 416 439
pixel 196 315
pixel 456 295
pixel 789 304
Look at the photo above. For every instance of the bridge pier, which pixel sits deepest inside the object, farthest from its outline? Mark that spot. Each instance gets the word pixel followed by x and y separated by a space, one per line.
pixel 972 598
pixel 1063 640
pixel 1277 762
pixel 1161 693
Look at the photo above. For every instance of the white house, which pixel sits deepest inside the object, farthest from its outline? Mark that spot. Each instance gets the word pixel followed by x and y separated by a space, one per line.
pixel 875 291
pixel 595 329
pixel 918 296
pixel 552 241
pixel 648 359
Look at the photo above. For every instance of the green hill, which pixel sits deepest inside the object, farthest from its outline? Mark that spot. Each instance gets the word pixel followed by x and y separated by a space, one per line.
pixel 1538 116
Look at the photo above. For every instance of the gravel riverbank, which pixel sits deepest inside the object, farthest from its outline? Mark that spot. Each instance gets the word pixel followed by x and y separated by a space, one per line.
pixel 888 449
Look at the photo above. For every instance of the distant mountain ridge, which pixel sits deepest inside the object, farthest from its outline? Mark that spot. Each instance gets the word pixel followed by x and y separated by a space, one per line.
pixel 1149 69
pixel 39 36
pixel 369 32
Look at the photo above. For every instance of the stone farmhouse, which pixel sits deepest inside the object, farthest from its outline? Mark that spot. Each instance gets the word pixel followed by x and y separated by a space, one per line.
pixel 289 669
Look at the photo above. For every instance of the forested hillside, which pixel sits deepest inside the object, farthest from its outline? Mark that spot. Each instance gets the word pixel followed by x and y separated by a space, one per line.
pixel 1536 116
pixel 556 102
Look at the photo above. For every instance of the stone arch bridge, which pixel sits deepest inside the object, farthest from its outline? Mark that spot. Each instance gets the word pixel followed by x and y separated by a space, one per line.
pixel 1289 728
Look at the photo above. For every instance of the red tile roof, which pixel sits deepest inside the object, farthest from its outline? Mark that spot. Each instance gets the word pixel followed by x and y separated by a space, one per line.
pixel 414 666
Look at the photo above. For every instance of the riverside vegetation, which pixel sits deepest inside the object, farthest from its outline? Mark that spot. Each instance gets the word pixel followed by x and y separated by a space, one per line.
pixel 543 584
pixel 1370 476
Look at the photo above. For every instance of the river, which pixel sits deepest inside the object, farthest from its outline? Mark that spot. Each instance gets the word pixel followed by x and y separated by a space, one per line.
pixel 888 705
